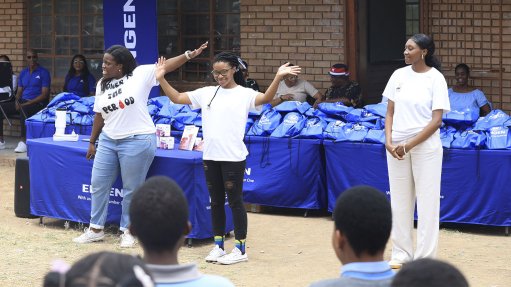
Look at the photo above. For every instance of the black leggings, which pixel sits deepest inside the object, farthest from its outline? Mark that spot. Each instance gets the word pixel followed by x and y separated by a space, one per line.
pixel 226 177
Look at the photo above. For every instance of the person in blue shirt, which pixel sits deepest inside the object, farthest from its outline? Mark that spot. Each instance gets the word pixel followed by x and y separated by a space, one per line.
pixel 159 219
pixel 463 96
pixel 31 97
pixel 78 79
pixel 362 224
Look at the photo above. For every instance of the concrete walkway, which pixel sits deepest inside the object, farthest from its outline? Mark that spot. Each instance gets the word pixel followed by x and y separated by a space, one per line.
pixel 8 153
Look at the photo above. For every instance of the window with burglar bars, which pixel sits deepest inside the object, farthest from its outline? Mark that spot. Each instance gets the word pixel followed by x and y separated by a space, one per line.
pixel 185 24
pixel 59 29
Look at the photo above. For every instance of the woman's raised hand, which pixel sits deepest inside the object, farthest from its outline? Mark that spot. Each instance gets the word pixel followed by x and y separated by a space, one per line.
pixel 160 68
pixel 197 51
pixel 288 70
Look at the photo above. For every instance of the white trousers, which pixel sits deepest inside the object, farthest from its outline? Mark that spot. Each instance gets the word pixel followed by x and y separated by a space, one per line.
pixel 416 178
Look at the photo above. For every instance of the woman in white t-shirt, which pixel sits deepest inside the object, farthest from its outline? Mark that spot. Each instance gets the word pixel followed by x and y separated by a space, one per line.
pixel 126 134
pixel 417 98
pixel 224 116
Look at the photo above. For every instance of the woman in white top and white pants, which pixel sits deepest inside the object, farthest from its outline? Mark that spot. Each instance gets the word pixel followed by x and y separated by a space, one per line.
pixel 417 98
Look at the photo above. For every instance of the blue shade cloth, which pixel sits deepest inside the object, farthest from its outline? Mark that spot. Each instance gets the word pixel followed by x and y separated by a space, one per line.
pixel 493 119
pixel 291 125
pixel 60 183
pixel 498 138
pixel 475 183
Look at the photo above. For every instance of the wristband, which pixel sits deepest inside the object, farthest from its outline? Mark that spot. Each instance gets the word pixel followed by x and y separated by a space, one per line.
pixel 92 142
pixel 187 54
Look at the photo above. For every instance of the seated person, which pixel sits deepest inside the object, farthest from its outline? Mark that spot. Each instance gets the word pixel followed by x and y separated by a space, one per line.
pixel 462 95
pixel 78 79
pixel 428 272
pixel 12 89
pixel 161 202
pixel 251 83
pixel 102 269
pixel 291 88
pixel 31 97
pixel 342 89
pixel 362 225
pixel 7 89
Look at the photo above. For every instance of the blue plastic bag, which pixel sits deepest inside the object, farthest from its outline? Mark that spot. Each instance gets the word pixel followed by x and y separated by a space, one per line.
pixel 334 109
pixel 266 124
pixel 313 129
pixel 494 119
pixel 447 135
pixel 62 97
pixel 379 109
pixel 292 106
pixel 353 133
pixel 498 138
pixel 334 130
pixel 468 139
pixel 375 136
pixel 292 124
pixel 465 117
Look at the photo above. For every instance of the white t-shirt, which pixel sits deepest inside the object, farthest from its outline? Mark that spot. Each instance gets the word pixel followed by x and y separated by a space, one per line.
pixel 300 90
pixel 123 104
pixel 415 97
pixel 223 123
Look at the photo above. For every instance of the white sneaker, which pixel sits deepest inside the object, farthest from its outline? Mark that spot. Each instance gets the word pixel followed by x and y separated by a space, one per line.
pixel 22 147
pixel 214 254
pixel 127 240
pixel 89 236
pixel 234 257
pixel 2 145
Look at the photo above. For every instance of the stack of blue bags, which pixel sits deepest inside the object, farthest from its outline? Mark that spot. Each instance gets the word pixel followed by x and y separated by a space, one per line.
pixel 291 119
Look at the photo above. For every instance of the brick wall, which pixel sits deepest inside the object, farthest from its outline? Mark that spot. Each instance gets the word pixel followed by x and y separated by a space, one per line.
pixel 308 33
pixel 477 33
pixel 12 43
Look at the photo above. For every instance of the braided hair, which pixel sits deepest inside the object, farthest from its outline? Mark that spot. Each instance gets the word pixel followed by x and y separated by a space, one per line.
pixel 235 62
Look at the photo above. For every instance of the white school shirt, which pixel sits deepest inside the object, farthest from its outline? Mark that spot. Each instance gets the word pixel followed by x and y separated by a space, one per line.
pixel 123 104
pixel 223 123
pixel 415 96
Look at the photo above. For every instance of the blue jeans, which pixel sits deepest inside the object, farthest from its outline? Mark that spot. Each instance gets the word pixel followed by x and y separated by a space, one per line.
pixel 132 156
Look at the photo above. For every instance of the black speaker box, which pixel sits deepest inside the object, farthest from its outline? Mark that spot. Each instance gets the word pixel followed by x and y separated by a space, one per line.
pixel 22 189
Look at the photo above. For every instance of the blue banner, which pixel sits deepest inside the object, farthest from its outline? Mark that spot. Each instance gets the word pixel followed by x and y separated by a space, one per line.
pixel 133 24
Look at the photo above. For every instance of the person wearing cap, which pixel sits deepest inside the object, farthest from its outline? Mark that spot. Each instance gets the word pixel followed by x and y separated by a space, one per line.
pixel 342 89
pixel 291 88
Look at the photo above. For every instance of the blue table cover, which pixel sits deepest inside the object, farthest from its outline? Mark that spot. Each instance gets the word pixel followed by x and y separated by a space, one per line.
pixel 476 184
pixel 284 172
pixel 60 183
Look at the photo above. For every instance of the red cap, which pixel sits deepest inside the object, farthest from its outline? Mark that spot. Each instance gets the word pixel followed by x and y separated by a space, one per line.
pixel 338 71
